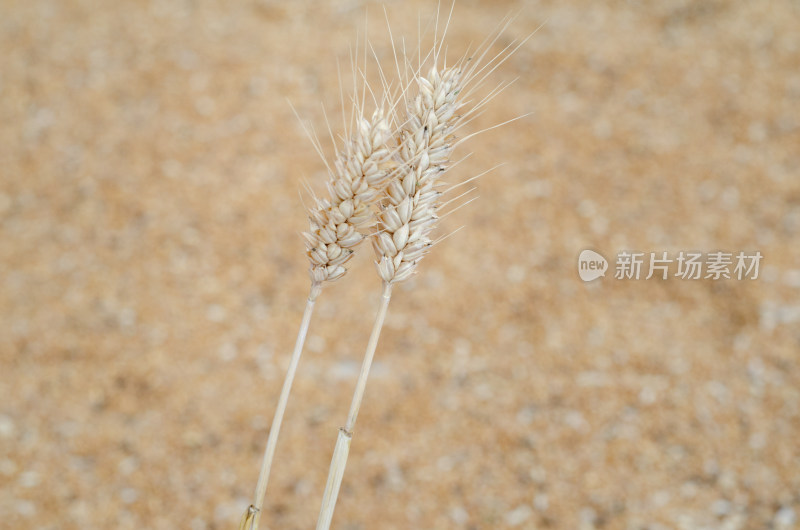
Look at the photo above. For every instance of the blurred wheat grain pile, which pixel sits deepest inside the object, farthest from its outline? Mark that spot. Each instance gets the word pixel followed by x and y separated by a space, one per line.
pixel 150 263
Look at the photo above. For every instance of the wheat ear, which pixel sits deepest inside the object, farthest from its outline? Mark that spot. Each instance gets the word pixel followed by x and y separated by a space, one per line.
pixel 408 214
pixel 359 176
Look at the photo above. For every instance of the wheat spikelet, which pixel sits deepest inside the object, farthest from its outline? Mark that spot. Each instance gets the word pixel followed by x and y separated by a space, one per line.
pixel 360 174
pixel 410 202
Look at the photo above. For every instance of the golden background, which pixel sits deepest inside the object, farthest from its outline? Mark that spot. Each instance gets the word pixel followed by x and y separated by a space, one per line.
pixel 152 277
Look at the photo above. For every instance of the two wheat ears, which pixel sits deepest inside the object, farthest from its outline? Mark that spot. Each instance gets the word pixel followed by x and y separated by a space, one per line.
pixel 384 185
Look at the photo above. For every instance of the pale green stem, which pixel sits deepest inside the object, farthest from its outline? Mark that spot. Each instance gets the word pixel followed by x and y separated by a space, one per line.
pixel 251 517
pixel 342 449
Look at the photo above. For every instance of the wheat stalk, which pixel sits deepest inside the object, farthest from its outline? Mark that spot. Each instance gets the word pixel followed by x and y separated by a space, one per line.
pixel 358 177
pixel 408 214
pixel 410 205
pixel 401 177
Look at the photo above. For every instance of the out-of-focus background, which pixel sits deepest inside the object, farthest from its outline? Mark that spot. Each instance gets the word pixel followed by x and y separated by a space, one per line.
pixel 152 276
